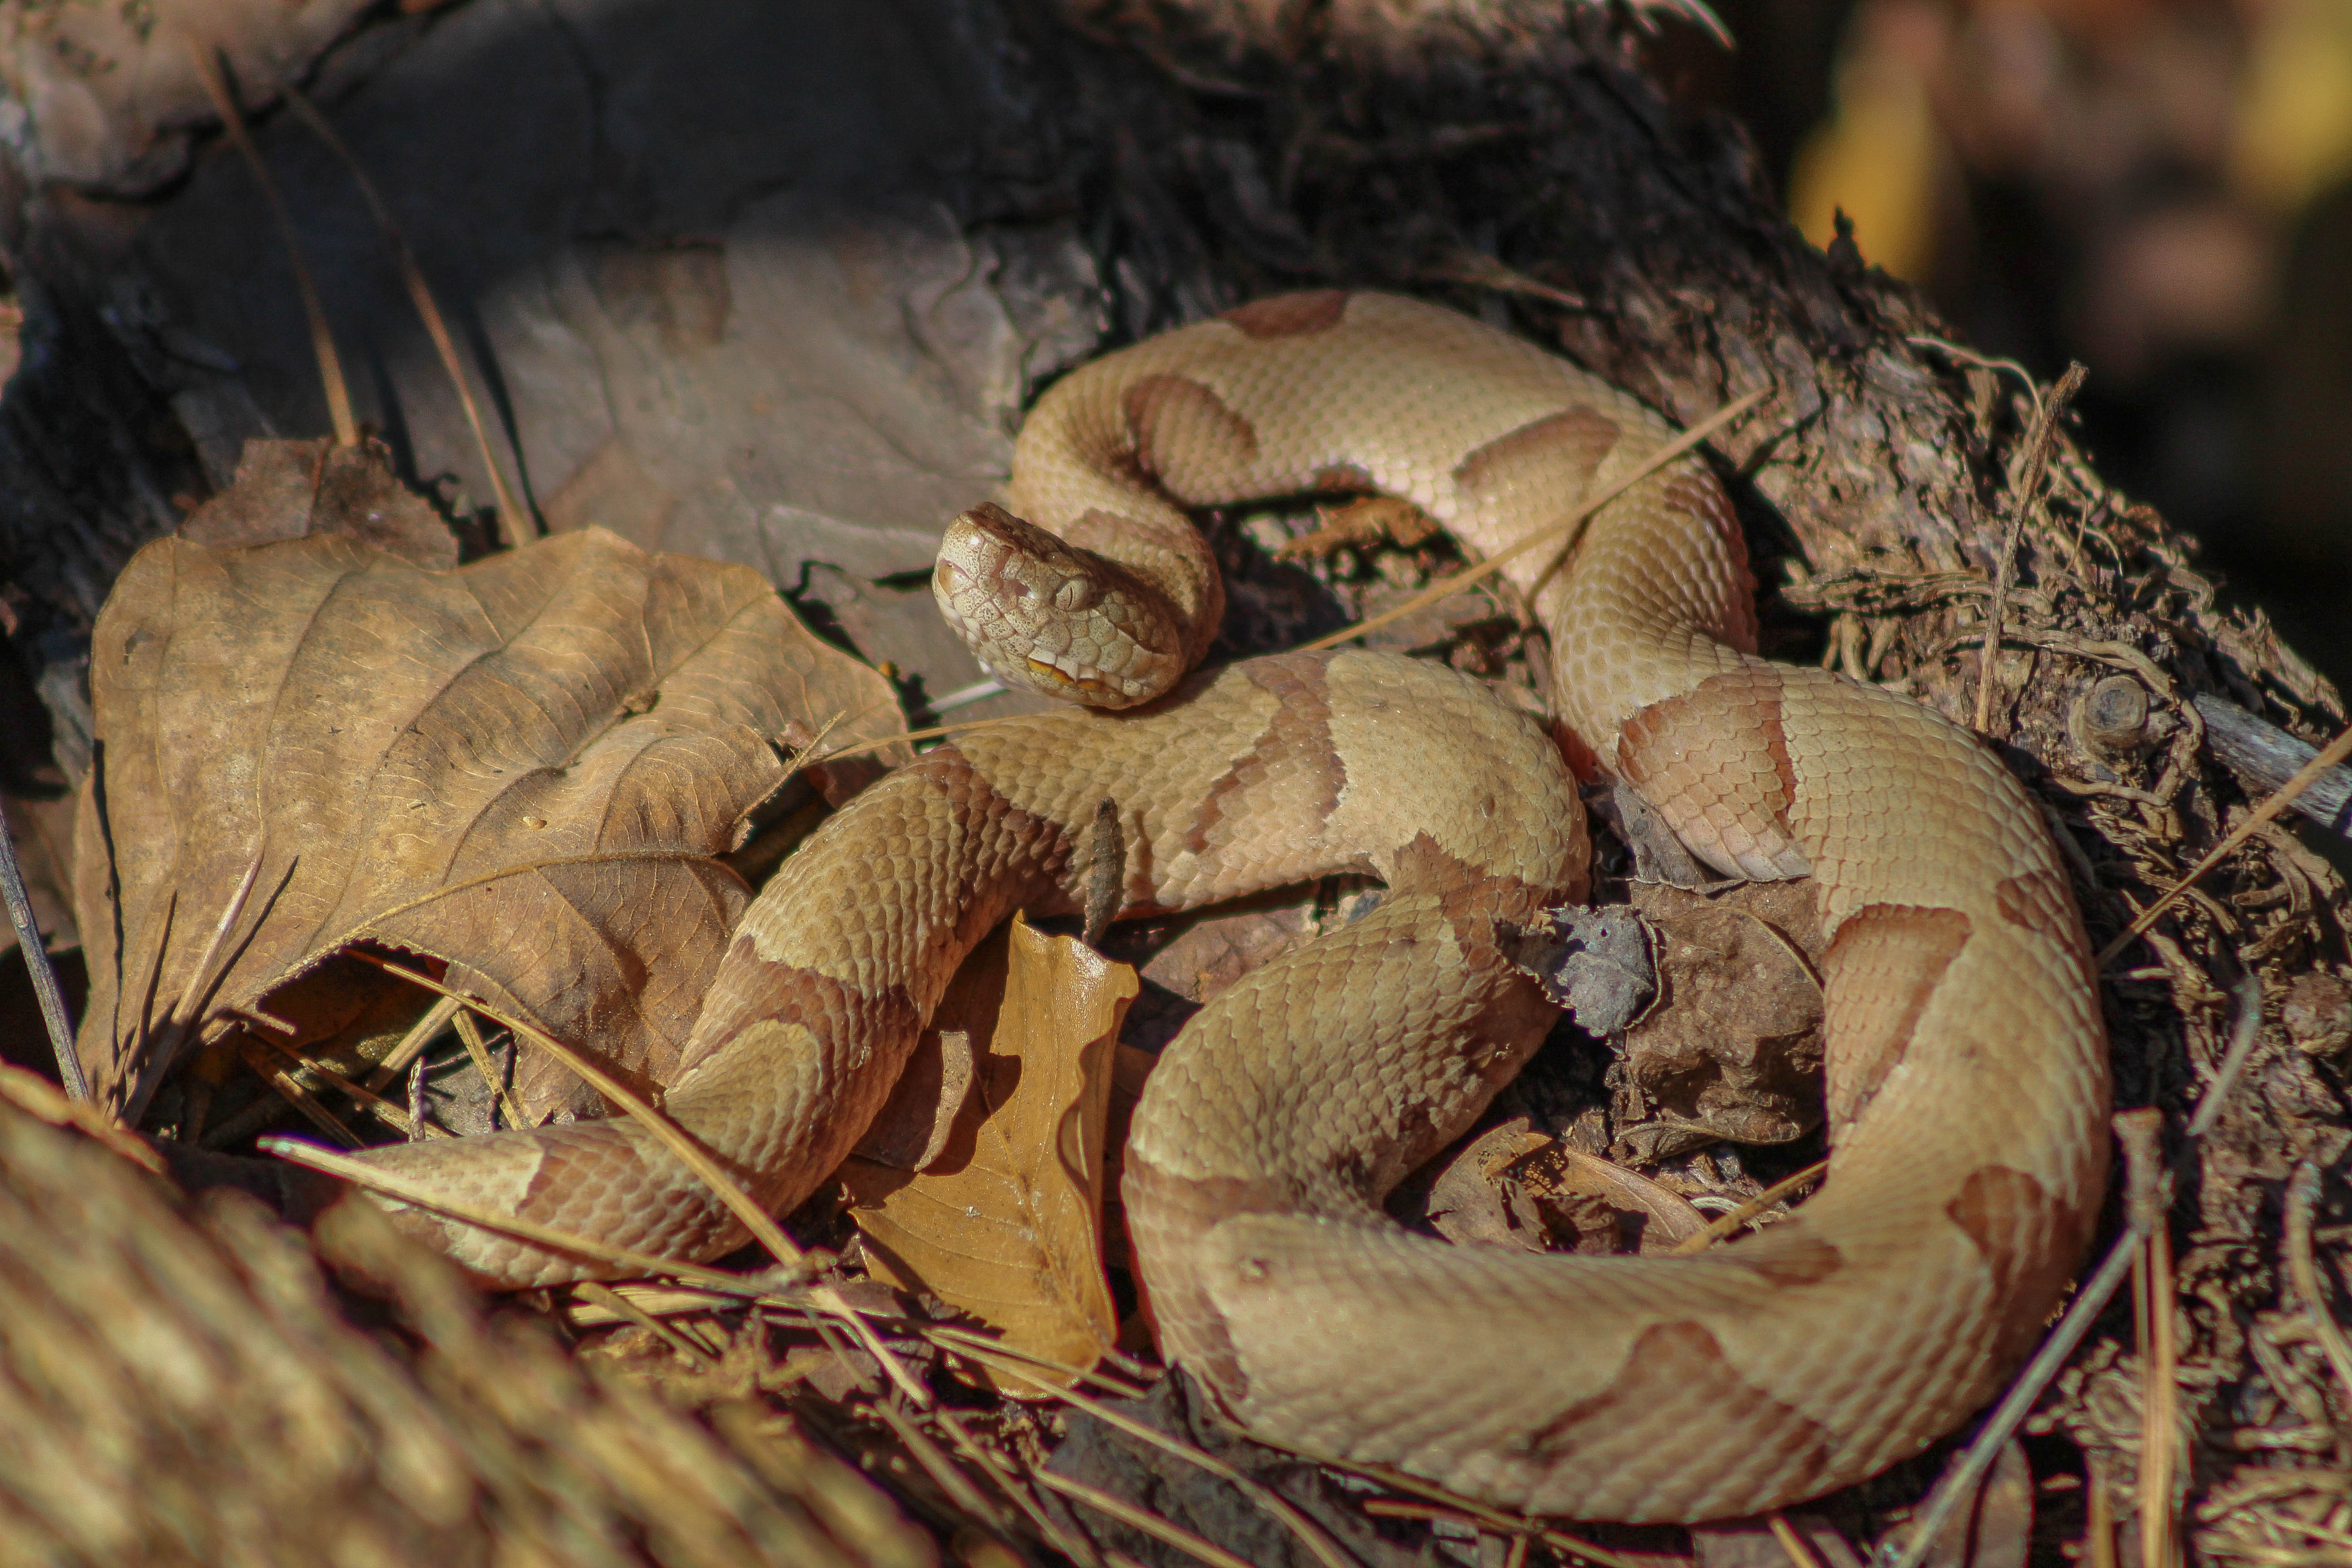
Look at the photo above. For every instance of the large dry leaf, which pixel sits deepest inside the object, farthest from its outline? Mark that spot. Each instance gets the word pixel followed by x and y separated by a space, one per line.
pixel 1007 1222
pixel 285 490
pixel 523 768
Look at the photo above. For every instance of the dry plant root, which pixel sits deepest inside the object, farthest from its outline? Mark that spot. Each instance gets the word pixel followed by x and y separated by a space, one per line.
pixel 1967 1062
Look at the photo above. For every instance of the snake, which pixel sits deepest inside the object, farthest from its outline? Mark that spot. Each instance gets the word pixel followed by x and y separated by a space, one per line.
pixel 1966 1071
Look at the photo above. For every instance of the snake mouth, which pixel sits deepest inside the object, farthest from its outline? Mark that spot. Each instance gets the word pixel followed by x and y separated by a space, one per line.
pixel 1063 681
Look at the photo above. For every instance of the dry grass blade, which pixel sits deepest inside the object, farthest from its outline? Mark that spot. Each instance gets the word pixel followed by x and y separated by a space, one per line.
pixel 2243 1036
pixel 965 1341
pixel 359 1174
pixel 512 520
pixel 469 1034
pixel 164 1044
pixel 1799 1554
pixel 1445 1503
pixel 2099 1522
pixel 1725 1225
pixel 1076 1547
pixel 1311 1535
pixel 1198 1548
pixel 2334 752
pixel 2046 415
pixel 291 1090
pixel 393 1116
pixel 322 340
pixel 936 732
pixel 2302 1198
pixel 1562 532
pixel 2159 1394
pixel 612 1300
pixel 746 1208
pixel 412 1045
pixel 935 1463
pixel 2149 1195
pixel 36 963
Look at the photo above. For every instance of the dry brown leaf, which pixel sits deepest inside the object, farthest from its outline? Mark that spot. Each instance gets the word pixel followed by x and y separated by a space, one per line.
pixel 1476 1200
pixel 1732 1048
pixel 1566 1172
pixel 913 1130
pixel 1007 1224
pixel 285 490
pixel 523 768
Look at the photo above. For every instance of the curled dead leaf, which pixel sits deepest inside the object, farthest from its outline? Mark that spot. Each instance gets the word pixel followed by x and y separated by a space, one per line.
pixel 525 768
pixel 1007 1224
pixel 1512 1186
pixel 1732 1048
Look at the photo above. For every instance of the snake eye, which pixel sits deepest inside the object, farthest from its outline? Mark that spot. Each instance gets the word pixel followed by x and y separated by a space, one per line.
pixel 1078 594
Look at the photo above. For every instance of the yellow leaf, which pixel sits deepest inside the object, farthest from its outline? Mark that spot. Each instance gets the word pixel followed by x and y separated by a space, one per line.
pixel 1006 1222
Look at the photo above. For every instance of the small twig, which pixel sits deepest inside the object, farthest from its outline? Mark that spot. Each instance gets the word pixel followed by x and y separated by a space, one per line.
pixel 401 1121
pixel 512 520
pixel 469 1034
pixel 2159 1397
pixel 1311 1535
pixel 2302 1197
pixel 2233 1061
pixel 1193 1546
pixel 1725 1225
pixel 1982 362
pixel 1799 1554
pixel 963 1341
pixel 2278 800
pixel 322 340
pixel 2038 441
pixel 2149 1195
pixel 411 1044
pixel 291 1090
pixel 1073 1544
pixel 1563 532
pixel 965 696
pixel 1106 872
pixel 612 1300
pixel 2264 756
pixel 204 983
pixel 36 963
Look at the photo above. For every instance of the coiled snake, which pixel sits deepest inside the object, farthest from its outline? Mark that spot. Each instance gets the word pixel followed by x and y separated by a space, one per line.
pixel 1967 1060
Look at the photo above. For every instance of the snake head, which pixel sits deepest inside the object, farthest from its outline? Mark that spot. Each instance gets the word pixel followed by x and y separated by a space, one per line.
pixel 1048 617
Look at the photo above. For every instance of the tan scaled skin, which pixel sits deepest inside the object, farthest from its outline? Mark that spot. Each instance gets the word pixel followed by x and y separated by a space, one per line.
pixel 1967 1062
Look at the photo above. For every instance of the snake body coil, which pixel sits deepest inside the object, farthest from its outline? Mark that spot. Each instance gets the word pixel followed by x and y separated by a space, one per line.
pixel 1967 1062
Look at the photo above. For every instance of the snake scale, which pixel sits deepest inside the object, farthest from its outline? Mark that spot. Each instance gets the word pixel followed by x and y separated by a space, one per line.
pixel 1967 1060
